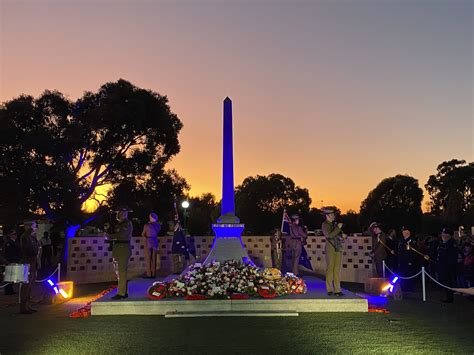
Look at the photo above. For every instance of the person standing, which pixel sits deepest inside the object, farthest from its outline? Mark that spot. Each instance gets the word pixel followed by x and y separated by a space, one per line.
pixel 121 237
pixel 407 259
pixel 392 244
pixel 447 259
pixel 298 237
pixel 30 248
pixel 380 247
pixel 12 256
pixel 277 249
pixel 334 239
pixel 150 232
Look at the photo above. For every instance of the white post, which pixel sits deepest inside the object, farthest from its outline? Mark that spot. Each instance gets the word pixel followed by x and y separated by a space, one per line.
pixel 59 272
pixel 383 268
pixel 423 285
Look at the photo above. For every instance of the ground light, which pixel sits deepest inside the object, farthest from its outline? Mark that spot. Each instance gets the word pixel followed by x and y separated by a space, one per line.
pixel 64 288
pixel 388 288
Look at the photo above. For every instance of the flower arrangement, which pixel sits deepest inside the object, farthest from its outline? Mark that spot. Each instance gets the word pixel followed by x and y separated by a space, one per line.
pixel 229 279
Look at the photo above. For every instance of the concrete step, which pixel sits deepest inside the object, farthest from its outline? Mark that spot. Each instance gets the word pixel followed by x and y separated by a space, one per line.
pixel 232 314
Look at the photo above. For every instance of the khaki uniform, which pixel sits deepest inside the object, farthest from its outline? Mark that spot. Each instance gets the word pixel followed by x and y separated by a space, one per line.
pixel 379 252
pixel 333 256
pixel 121 252
pixel 277 250
pixel 298 237
pixel 150 232
pixel 30 247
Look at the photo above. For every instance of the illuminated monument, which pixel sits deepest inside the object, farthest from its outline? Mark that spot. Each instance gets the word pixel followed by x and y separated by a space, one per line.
pixel 228 229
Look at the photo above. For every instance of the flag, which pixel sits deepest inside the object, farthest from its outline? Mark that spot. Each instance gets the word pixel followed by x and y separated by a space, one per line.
pixel 285 223
pixel 179 240
pixel 304 260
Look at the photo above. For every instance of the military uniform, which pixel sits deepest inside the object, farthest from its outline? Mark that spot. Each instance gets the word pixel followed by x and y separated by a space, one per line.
pixel 150 232
pixel 407 262
pixel 298 237
pixel 30 247
pixel 121 252
pixel 277 250
pixel 379 252
pixel 447 260
pixel 333 256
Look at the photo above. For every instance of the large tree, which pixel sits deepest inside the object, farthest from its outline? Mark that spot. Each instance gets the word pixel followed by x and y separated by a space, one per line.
pixel 260 200
pixel 451 192
pixel 395 202
pixel 200 212
pixel 55 152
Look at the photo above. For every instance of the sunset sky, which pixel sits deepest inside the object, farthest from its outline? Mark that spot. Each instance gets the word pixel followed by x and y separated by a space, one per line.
pixel 336 95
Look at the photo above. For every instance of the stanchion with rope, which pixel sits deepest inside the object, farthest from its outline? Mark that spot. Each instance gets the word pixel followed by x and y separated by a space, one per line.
pixel 57 270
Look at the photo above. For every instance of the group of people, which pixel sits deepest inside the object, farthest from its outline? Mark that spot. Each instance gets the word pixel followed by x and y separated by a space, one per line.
pixel 448 258
pixel 335 237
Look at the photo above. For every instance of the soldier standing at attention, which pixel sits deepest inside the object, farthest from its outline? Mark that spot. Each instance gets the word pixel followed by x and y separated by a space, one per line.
pixel 298 237
pixel 277 250
pixel 30 247
pixel 150 232
pixel 334 240
pixel 121 236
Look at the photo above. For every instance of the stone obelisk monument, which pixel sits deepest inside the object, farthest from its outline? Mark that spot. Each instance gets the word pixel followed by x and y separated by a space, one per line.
pixel 228 229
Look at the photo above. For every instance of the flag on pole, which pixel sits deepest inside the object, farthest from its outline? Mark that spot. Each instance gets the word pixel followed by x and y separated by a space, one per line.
pixel 179 240
pixel 285 223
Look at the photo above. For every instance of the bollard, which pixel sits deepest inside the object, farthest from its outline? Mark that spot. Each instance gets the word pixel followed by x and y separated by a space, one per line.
pixel 423 285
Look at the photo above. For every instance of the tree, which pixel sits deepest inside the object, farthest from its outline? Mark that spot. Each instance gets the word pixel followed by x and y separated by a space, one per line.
pixel 451 192
pixel 55 153
pixel 199 221
pixel 395 202
pixel 351 222
pixel 260 200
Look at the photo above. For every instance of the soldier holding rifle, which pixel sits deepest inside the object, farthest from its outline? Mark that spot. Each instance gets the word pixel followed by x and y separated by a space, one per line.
pixel 120 238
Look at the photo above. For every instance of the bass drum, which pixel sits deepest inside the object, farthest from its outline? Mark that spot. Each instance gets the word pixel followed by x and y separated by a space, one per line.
pixel 16 273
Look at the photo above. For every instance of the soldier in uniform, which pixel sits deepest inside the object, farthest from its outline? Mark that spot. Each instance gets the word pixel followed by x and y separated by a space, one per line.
pixel 12 256
pixel 407 259
pixel 298 238
pixel 120 238
pixel 334 239
pixel 447 260
pixel 277 250
pixel 150 232
pixel 380 248
pixel 30 248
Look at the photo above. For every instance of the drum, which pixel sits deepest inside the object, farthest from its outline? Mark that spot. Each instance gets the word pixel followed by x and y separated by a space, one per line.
pixel 16 273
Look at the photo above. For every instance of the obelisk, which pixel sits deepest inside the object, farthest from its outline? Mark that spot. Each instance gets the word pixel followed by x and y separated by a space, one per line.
pixel 228 243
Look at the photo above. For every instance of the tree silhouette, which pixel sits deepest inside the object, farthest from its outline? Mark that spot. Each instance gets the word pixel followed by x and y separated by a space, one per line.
pixel 395 202
pixel 260 200
pixel 451 192
pixel 56 152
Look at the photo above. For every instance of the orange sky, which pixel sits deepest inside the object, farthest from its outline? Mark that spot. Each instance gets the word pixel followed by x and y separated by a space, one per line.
pixel 333 95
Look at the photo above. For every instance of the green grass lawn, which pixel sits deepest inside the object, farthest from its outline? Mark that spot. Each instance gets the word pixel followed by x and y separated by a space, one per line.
pixel 412 327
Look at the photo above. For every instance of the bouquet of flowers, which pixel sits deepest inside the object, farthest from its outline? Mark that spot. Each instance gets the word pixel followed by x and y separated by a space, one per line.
pixel 230 279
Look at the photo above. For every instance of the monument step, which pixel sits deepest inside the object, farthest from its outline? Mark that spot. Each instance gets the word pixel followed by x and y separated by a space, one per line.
pixel 232 314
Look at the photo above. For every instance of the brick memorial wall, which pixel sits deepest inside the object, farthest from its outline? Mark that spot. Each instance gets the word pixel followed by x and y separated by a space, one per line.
pixel 89 260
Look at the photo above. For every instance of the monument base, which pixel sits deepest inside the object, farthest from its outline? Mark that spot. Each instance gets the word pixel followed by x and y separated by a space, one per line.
pixel 228 244
pixel 315 300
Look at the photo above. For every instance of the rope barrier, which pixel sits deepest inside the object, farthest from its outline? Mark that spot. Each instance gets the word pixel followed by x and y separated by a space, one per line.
pixel 55 271
pixel 401 277
pixel 3 286
pixel 439 283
